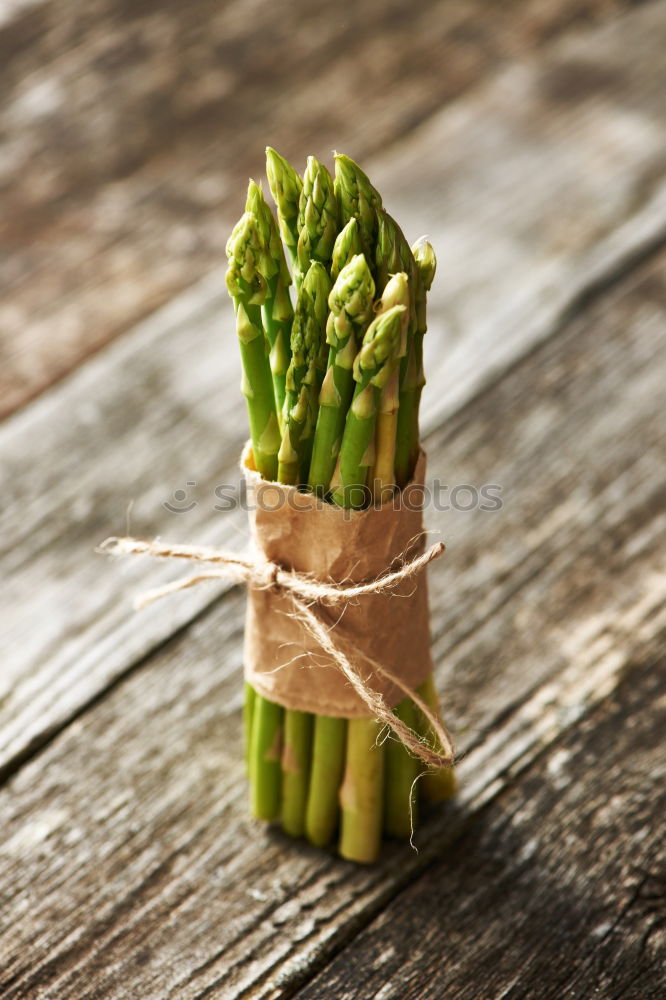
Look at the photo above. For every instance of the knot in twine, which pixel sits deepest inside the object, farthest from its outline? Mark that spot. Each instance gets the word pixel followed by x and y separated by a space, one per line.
pixel 304 591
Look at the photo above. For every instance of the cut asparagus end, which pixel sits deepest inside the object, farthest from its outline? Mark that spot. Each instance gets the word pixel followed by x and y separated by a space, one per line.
pixel 328 759
pixel 296 755
pixel 362 793
pixel 265 759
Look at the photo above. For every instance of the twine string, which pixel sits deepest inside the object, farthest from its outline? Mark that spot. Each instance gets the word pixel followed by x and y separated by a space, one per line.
pixel 305 593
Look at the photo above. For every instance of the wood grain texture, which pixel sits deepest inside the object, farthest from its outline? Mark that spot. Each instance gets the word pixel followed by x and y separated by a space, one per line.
pixel 160 407
pixel 128 866
pixel 128 130
pixel 557 889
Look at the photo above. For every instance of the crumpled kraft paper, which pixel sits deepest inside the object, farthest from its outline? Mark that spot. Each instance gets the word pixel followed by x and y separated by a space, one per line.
pixel 298 531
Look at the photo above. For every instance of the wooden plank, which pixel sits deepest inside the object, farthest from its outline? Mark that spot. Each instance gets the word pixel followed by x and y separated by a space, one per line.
pixel 128 865
pixel 161 407
pixel 555 890
pixel 112 205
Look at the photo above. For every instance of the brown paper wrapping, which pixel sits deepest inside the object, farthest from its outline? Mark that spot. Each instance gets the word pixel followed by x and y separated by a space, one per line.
pixel 298 531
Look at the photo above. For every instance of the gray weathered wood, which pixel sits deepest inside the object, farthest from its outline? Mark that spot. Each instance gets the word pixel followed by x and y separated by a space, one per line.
pixel 128 866
pixel 556 890
pixel 128 132
pixel 161 407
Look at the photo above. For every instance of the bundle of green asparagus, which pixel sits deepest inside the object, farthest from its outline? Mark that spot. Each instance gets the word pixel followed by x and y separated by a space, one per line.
pixel 332 381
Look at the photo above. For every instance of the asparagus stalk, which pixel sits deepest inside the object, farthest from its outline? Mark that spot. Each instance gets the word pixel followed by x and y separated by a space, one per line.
pixel 276 310
pixel 317 217
pixel 295 770
pixel 426 263
pixel 382 477
pixel 387 253
pixel 394 253
pixel 328 758
pixel 350 303
pixel 319 285
pixel 373 367
pixel 440 783
pixel 351 307
pixel 347 245
pixel 358 199
pixel 319 288
pixel 382 474
pixel 402 769
pixel 247 287
pixel 300 377
pixel 302 380
pixel 265 759
pixel 362 792
pixel 248 715
pixel 294 457
pixel 286 187
pixel 361 795
pixel 304 375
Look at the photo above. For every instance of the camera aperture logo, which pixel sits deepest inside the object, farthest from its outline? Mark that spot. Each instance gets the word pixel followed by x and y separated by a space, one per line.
pixel 181 501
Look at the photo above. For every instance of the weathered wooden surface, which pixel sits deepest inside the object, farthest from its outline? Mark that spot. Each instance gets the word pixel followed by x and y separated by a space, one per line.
pixel 568 861
pixel 160 885
pixel 169 388
pixel 128 131
pixel 128 867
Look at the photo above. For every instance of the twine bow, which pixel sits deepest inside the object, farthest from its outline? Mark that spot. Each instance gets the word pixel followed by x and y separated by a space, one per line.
pixel 304 592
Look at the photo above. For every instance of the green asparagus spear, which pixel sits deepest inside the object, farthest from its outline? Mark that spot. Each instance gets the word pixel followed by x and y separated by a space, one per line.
pixel 373 367
pixel 350 303
pixel 294 458
pixel 265 758
pixel 297 407
pixel 347 245
pixel 248 289
pixel 307 337
pixel 317 217
pixel 394 253
pixel 426 264
pixel 328 759
pixel 382 475
pixel 286 187
pixel 318 285
pixel 295 770
pixel 351 307
pixel 438 783
pixel 357 198
pixel 276 310
pixel 424 255
pixel 319 289
pixel 248 715
pixel 400 802
pixel 361 794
